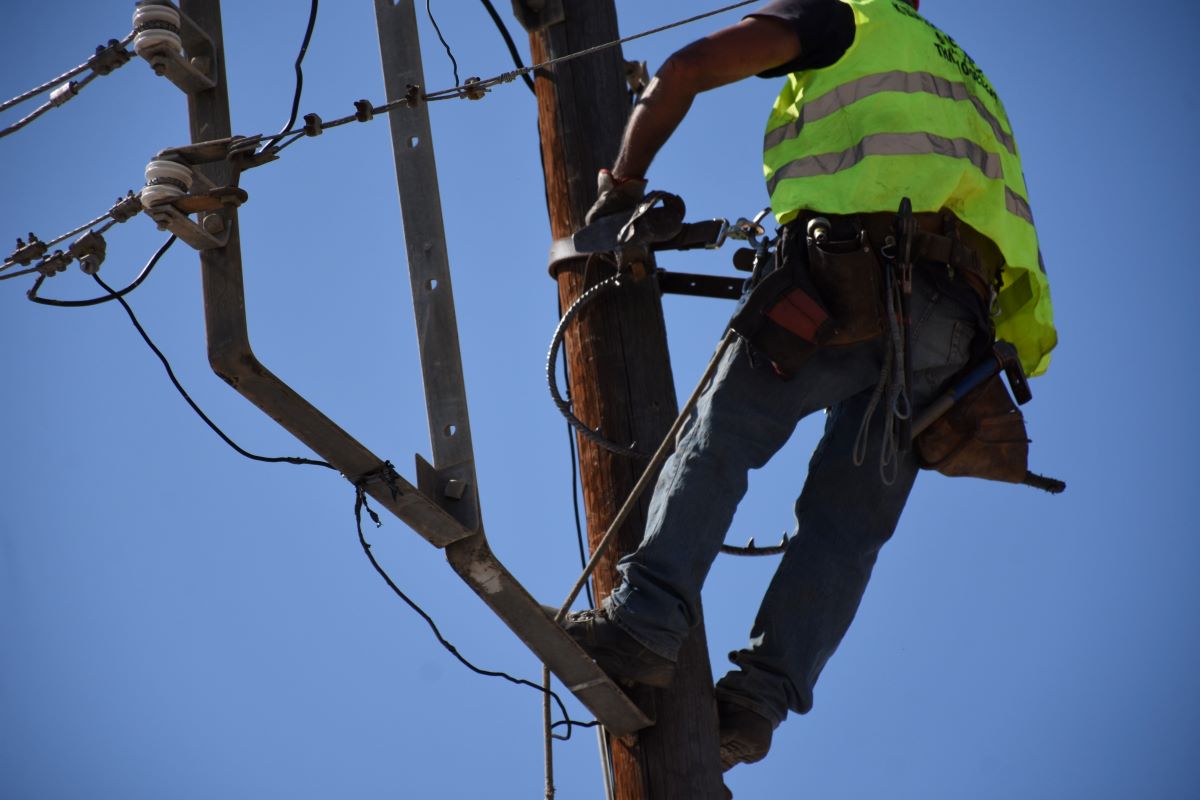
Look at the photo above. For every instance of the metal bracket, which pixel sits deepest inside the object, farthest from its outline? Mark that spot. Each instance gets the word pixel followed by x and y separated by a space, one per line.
pixel 536 15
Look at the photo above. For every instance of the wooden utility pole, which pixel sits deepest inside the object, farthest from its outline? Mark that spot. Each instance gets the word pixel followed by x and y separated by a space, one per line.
pixel 620 377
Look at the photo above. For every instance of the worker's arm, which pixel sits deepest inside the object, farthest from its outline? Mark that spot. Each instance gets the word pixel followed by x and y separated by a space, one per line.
pixel 754 45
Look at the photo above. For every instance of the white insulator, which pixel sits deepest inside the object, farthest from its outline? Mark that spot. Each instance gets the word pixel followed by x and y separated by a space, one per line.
pixel 156 26
pixel 164 180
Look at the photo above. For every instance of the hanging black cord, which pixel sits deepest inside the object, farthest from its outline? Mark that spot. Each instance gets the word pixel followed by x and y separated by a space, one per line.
pixel 312 22
pixel 508 41
pixel 442 39
pixel 360 505
pixel 179 387
pixel 95 301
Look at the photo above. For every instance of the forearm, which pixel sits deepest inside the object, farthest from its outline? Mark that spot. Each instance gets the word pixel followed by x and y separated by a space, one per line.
pixel 739 51
pixel 657 114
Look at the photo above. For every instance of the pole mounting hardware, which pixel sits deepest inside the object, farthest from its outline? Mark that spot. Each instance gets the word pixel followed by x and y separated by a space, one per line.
pixel 536 15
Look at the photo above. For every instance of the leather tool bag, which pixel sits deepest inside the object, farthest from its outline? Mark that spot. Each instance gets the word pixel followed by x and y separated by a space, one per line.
pixel 981 436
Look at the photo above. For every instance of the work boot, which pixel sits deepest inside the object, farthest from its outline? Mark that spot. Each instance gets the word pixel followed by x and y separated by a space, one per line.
pixel 745 734
pixel 623 658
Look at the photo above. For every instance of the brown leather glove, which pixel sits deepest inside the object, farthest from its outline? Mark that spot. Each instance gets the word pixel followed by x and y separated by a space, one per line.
pixel 615 195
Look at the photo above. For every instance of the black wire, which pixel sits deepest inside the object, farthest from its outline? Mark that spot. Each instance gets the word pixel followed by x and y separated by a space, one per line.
pixel 95 301
pixel 361 504
pixel 179 387
pixel 508 40
pixel 312 21
pixel 449 52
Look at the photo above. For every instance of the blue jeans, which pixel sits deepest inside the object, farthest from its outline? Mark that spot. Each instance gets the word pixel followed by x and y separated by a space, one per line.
pixel 844 513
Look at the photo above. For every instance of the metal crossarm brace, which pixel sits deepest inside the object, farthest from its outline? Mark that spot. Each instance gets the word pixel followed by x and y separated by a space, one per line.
pixel 444 510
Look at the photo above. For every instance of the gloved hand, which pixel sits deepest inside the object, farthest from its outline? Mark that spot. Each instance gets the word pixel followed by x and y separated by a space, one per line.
pixel 615 195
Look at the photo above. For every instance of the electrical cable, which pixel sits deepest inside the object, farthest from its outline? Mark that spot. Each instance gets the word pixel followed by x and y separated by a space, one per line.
pixel 179 387
pixel 473 88
pixel 71 73
pixel 18 273
pixel 74 88
pixel 508 41
pixel 361 504
pixel 308 32
pixel 508 77
pixel 95 301
pixel 442 39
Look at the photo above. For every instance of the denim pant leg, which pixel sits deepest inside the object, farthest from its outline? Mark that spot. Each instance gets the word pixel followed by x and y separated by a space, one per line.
pixel 844 515
pixel 741 420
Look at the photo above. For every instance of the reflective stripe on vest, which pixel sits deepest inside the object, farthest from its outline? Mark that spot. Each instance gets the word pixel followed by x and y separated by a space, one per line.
pixel 905 112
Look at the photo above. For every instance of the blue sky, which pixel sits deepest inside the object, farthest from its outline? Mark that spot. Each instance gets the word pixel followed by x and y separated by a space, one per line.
pixel 178 622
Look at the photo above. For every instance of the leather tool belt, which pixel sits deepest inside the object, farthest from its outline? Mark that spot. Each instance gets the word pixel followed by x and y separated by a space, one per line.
pixel 826 290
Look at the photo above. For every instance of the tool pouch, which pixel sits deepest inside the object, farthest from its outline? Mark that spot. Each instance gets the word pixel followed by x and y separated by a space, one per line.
pixel 782 316
pixel 849 279
pixel 981 436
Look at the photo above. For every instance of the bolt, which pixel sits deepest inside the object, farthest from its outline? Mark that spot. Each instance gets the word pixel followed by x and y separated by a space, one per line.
pixel 201 63
pixel 455 489
pixel 213 223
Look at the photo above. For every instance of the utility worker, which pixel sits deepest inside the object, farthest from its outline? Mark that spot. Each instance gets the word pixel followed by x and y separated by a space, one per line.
pixel 878 106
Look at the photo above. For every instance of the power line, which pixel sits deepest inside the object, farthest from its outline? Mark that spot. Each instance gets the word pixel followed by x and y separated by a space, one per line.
pixel 508 41
pixel 106 59
pixel 103 62
pixel 472 87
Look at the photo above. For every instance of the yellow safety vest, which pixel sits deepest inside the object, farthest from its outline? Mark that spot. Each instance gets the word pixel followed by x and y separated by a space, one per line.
pixel 905 112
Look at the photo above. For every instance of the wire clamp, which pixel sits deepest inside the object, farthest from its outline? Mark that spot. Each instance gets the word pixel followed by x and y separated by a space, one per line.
pixel 54 264
pixel 313 126
pixel 26 254
pixel 412 98
pixel 126 208
pixel 109 57
pixel 89 250
pixel 472 90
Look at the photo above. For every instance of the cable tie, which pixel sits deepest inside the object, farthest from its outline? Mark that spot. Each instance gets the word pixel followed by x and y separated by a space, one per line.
pixel 312 125
pixel 26 254
pixel 363 110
